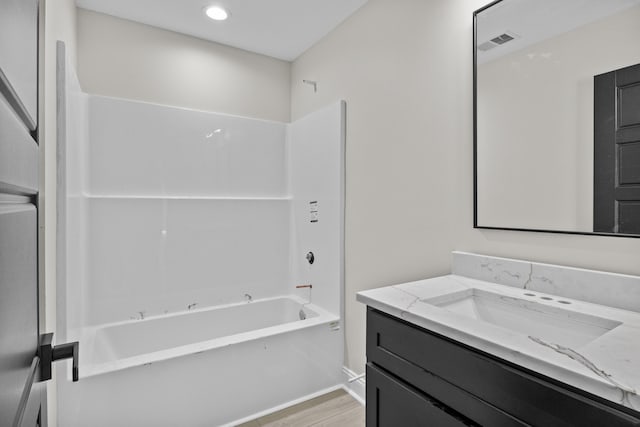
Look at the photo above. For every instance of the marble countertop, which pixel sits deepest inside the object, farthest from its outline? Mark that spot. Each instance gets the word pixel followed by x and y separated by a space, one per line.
pixel 607 366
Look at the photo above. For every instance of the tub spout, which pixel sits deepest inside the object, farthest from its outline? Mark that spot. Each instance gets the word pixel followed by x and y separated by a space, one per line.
pixel 304 286
pixel 248 297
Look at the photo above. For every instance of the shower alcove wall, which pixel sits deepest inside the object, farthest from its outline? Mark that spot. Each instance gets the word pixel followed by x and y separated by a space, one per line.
pixel 182 236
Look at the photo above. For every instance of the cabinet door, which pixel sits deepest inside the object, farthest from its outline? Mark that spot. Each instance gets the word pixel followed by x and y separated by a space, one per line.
pixel 393 403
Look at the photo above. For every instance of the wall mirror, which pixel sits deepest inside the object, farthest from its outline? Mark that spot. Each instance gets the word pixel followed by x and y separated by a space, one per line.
pixel 557 116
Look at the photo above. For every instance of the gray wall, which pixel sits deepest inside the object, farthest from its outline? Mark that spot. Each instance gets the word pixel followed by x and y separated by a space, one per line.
pixel 405 69
pixel 125 59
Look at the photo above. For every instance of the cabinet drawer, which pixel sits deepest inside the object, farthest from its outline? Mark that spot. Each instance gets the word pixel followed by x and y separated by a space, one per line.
pixel 453 373
pixel 392 403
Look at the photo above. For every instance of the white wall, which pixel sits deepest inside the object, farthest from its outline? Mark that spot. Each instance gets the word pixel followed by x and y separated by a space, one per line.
pixel 164 207
pixel 125 59
pixel 316 164
pixel 72 205
pixel 183 207
pixel 143 149
pixel 535 125
pixel 405 70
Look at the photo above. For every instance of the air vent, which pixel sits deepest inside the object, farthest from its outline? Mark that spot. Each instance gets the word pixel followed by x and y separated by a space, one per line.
pixel 502 39
pixel 497 41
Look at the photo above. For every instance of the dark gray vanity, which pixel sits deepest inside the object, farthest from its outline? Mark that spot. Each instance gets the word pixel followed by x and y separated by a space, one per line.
pixel 503 342
pixel 418 378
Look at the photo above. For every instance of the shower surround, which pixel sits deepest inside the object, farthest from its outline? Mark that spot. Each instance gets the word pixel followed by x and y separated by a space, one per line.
pixel 182 236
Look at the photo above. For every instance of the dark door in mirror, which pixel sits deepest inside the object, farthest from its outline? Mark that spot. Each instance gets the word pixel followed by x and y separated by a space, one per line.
pixel 617 151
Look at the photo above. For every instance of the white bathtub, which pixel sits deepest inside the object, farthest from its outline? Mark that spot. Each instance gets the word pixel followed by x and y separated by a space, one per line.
pixel 203 367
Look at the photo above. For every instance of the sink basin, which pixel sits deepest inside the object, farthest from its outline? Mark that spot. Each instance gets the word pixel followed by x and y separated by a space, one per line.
pixel 552 324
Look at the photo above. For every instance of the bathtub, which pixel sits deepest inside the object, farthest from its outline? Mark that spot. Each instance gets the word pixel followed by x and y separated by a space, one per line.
pixel 203 367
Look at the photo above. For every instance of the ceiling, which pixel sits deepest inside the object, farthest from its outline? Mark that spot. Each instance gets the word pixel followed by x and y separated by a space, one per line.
pixel 535 20
pixel 283 29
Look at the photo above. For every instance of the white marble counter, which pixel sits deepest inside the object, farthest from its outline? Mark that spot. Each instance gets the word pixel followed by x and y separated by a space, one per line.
pixel 607 366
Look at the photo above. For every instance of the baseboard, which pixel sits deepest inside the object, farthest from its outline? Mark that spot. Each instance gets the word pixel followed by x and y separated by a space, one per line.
pixel 284 406
pixel 356 388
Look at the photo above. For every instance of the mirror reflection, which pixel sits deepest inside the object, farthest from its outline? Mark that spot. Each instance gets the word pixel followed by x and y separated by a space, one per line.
pixel 558 116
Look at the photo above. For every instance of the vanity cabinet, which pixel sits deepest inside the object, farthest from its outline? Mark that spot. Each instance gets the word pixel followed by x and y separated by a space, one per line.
pixel 418 378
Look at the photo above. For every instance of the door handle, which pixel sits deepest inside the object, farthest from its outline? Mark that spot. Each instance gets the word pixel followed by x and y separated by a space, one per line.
pixel 50 353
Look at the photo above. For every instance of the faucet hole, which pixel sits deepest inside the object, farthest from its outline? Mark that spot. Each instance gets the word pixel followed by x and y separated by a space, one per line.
pixel 564 302
pixel 529 294
pixel 547 298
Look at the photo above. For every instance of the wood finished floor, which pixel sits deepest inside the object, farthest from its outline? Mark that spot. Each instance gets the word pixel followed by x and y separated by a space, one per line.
pixel 335 409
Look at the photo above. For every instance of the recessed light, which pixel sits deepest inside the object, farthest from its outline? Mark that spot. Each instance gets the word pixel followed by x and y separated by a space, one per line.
pixel 216 13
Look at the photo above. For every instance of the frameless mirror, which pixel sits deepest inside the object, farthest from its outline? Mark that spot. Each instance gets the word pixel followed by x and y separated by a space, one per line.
pixel 557 116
